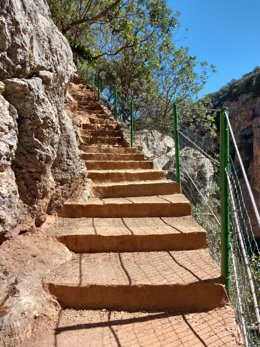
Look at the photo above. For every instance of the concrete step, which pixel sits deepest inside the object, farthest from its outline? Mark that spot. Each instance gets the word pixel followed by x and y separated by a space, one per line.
pixel 129 234
pixel 90 140
pixel 139 188
pixel 92 127
pixel 111 156
pixel 101 121
pixel 100 132
pixel 125 175
pixel 92 112
pixel 92 116
pixel 104 149
pixel 86 105
pixel 103 328
pixel 95 116
pixel 118 165
pixel 88 97
pixel 183 281
pixel 88 102
pixel 175 205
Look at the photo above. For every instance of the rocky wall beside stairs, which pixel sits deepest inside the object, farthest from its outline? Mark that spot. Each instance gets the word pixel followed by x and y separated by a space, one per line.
pixel 39 160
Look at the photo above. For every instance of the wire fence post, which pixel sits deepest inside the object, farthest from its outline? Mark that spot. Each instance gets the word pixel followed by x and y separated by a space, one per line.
pixel 132 123
pixel 177 144
pixel 224 199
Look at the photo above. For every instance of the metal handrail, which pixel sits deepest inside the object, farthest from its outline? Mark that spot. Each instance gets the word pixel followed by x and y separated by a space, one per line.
pixel 96 83
pixel 243 170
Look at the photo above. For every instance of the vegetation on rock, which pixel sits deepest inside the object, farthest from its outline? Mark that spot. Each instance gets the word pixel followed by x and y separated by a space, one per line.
pixel 249 83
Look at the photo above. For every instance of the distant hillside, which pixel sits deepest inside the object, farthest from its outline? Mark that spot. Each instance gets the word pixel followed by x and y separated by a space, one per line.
pixel 249 83
pixel 242 97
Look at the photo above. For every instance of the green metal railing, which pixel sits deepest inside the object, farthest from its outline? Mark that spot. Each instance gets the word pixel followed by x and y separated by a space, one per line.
pixel 224 198
pixel 115 102
pixel 95 81
pixel 175 136
pixel 238 251
pixel 224 190
pixel 132 123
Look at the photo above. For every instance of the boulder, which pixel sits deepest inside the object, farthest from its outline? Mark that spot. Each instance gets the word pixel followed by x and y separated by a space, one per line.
pixel 197 175
pixel 196 169
pixel 155 146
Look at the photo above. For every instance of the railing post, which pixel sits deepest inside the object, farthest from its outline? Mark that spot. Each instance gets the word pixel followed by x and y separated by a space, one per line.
pixel 224 198
pixel 177 144
pixel 98 87
pixel 93 82
pixel 132 123
pixel 115 102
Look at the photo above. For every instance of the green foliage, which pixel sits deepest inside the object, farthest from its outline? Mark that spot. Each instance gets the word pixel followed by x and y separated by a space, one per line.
pixel 131 45
pixel 249 83
pixel 204 217
pixel 200 117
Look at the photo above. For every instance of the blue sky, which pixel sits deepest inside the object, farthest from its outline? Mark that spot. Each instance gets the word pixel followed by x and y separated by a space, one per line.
pixel 225 33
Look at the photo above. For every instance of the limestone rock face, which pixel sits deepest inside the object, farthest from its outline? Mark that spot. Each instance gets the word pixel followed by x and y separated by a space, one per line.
pixel 245 120
pixel 155 146
pixel 67 170
pixel 31 43
pixel 39 149
pixel 196 170
pixel 9 198
pixel 195 166
pixel 8 129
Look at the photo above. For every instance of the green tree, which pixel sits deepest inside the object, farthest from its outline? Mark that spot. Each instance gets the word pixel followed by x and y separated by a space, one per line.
pixel 131 45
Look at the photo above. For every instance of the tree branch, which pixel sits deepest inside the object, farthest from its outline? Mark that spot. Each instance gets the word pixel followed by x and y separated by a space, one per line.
pixel 122 48
pixel 92 19
pixel 87 8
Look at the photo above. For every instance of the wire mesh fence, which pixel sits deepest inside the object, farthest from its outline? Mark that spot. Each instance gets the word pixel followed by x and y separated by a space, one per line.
pixel 201 186
pixel 245 275
pixel 200 180
pixel 245 255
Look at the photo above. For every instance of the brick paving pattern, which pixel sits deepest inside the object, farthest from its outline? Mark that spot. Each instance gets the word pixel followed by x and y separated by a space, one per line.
pixel 112 329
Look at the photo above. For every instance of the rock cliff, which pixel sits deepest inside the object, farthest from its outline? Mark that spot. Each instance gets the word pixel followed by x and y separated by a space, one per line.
pixel 242 97
pixel 245 120
pixel 39 159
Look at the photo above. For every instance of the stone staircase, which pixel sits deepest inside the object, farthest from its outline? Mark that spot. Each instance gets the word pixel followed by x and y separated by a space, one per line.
pixel 140 274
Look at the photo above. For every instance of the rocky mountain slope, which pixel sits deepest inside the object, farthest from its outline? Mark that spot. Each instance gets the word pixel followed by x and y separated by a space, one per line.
pixel 39 160
pixel 242 97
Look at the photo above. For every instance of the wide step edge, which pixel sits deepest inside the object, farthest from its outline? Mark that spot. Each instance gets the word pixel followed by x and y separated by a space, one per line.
pixel 180 298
